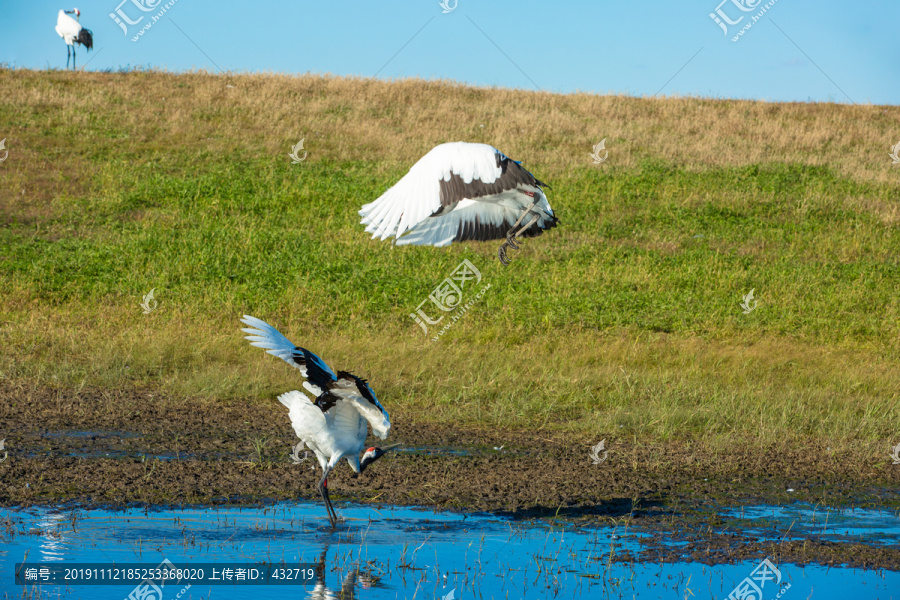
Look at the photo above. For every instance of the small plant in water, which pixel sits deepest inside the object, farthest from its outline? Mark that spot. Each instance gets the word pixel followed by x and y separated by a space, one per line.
pixel 262 459
pixel 148 473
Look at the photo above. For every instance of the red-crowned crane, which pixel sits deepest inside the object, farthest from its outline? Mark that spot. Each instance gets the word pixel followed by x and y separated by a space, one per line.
pixel 461 191
pixel 336 424
pixel 71 31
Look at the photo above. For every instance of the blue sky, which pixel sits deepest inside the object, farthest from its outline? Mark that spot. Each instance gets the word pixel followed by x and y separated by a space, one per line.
pixel 829 50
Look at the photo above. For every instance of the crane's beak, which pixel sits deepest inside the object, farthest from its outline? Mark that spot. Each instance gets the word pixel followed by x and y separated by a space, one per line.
pixel 379 452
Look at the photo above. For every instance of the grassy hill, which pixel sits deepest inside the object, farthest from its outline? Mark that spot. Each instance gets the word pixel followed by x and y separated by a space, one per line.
pixel 623 322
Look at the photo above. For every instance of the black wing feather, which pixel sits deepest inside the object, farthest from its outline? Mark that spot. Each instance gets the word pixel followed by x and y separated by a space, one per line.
pixel 512 174
pixel 316 371
pixel 326 401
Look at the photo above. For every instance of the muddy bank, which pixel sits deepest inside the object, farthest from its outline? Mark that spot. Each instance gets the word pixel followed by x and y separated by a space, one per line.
pixel 140 446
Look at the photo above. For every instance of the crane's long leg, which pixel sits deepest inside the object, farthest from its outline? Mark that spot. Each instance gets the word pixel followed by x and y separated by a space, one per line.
pixel 511 235
pixel 511 242
pixel 73 57
pixel 527 227
pixel 334 516
pixel 323 490
pixel 68 56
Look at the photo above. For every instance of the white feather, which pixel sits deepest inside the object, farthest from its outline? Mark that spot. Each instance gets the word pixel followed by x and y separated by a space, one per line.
pixel 67 28
pixel 417 196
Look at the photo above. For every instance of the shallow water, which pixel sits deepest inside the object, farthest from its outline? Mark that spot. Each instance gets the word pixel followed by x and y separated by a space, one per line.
pixel 801 520
pixel 388 552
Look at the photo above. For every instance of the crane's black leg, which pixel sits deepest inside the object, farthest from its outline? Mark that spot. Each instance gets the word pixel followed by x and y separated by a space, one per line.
pixel 501 254
pixel 68 56
pixel 323 490
pixel 334 516
pixel 73 57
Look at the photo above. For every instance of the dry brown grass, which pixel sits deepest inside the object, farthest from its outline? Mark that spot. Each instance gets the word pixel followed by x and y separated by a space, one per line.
pixel 644 387
pixel 351 119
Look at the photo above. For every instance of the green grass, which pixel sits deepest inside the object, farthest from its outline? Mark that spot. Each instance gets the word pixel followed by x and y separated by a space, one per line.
pixel 256 236
pixel 625 320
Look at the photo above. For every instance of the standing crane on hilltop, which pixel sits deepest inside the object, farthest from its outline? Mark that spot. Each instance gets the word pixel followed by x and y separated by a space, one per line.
pixel 336 424
pixel 71 31
pixel 461 191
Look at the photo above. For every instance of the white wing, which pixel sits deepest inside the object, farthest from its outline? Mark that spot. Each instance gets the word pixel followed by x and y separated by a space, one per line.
pixel 447 175
pixel 329 389
pixel 306 418
pixel 357 393
pixel 313 368
pixel 472 220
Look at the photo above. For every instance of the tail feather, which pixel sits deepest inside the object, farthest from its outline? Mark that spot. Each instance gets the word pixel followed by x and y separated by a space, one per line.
pixel 85 38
